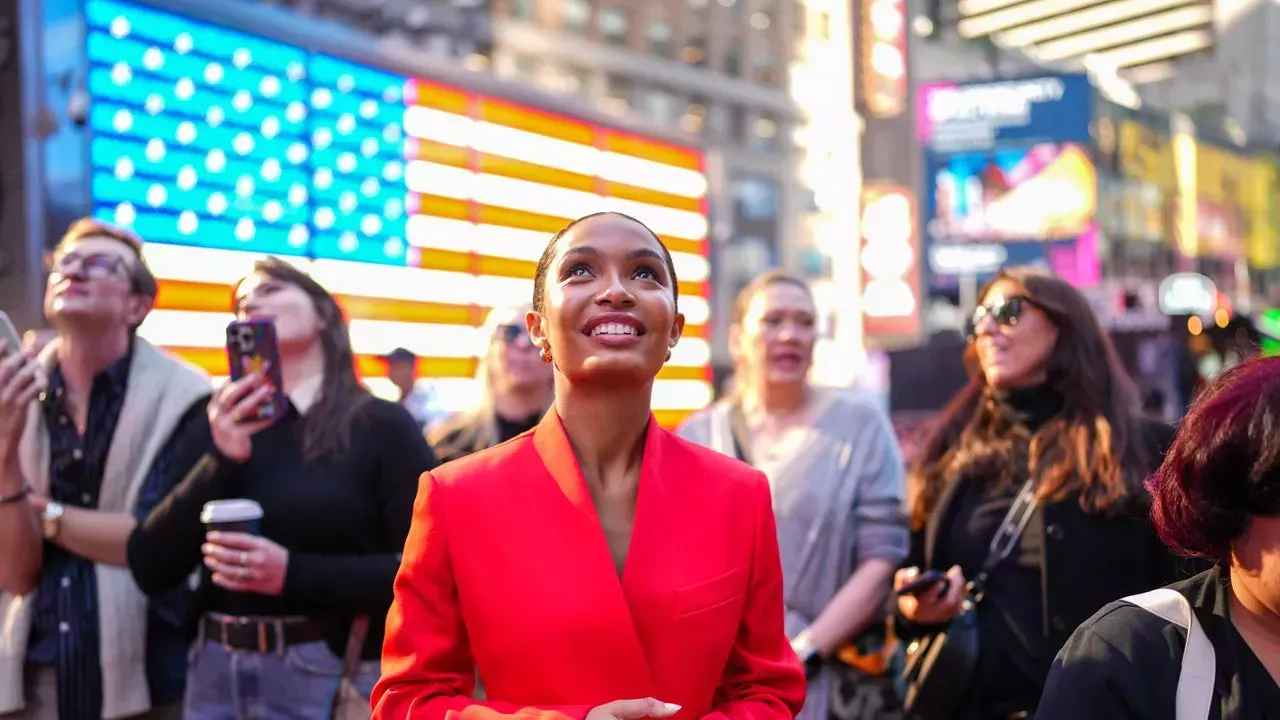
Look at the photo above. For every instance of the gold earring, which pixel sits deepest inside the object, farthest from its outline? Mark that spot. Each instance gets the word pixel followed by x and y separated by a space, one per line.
pixel 546 355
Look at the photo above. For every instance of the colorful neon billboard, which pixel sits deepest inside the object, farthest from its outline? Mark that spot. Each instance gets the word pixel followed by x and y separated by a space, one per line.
pixel 419 204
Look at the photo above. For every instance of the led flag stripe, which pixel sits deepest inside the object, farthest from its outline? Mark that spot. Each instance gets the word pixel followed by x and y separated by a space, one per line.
pixel 420 205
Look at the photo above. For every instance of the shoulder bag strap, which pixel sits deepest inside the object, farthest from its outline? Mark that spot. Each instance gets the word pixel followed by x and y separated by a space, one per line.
pixel 1199 663
pixel 741 436
pixel 355 646
pixel 1006 537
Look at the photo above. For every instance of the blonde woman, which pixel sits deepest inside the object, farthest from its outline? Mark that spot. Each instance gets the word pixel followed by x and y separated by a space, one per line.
pixel 515 391
pixel 837 477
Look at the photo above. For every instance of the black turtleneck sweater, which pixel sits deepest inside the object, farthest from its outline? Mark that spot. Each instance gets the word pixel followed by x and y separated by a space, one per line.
pixel 1014 658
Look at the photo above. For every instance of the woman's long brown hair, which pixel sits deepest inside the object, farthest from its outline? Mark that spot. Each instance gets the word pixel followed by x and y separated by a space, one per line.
pixel 1091 450
pixel 326 430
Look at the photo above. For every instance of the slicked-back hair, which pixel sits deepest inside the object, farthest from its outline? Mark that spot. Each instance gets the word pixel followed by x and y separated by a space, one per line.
pixel 549 256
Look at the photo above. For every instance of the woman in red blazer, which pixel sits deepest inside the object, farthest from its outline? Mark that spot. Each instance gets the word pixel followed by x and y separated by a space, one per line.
pixel 599 567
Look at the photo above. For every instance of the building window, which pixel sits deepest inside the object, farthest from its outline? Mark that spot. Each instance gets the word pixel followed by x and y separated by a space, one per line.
pixel 660 105
pixel 694 120
pixel 764 70
pixel 660 38
pixel 737 129
pixel 613 27
pixel 756 197
pixel 823 25
pixel 764 134
pixel 617 96
pixel 521 9
pixel 695 53
pixel 732 59
pixel 563 79
pixel 761 21
pixel 526 68
pixel 575 15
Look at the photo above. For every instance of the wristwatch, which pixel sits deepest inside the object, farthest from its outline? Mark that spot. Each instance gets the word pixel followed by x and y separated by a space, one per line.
pixel 53 519
pixel 802 644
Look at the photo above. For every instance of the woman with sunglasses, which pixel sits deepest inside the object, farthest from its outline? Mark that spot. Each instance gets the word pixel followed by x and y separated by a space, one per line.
pixel 515 390
pixel 1031 480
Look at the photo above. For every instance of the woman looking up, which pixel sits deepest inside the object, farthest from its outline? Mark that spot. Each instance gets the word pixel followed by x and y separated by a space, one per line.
pixel 837 478
pixel 559 563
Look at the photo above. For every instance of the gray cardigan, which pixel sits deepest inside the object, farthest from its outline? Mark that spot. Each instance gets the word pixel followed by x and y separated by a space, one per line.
pixel 838 501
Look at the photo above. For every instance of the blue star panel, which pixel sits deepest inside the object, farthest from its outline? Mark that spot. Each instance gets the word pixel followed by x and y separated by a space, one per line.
pixel 357 163
pixel 208 137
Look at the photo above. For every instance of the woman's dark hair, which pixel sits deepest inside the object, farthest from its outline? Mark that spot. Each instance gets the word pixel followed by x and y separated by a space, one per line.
pixel 766 279
pixel 1089 450
pixel 326 430
pixel 549 255
pixel 1224 465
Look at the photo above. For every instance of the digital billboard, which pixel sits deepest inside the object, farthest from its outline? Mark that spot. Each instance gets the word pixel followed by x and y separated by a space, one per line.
pixel 420 205
pixel 1010 177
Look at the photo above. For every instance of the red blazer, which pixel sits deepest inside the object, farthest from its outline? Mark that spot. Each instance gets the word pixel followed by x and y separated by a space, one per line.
pixel 506 569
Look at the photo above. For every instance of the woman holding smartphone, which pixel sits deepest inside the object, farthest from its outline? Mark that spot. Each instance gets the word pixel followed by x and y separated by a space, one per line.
pixel 335 475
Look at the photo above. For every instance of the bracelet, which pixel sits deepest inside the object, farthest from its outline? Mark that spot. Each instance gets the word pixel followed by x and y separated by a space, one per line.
pixel 20 495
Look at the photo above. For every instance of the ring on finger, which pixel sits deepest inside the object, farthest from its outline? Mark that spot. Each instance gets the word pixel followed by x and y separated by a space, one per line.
pixel 244 558
pixel 241 572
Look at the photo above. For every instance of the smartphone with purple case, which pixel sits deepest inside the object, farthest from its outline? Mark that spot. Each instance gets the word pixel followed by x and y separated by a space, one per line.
pixel 252 347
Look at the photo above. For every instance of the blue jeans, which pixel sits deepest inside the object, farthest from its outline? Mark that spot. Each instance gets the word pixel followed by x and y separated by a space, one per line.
pixel 246 685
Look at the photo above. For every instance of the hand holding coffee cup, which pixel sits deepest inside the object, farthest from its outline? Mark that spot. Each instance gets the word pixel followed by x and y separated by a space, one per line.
pixel 232 410
pixel 241 560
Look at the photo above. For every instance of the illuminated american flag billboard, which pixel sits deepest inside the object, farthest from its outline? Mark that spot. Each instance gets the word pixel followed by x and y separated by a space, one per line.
pixel 421 205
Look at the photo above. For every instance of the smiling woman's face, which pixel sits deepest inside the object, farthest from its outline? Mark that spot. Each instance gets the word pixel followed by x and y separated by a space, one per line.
pixel 776 337
pixel 609 309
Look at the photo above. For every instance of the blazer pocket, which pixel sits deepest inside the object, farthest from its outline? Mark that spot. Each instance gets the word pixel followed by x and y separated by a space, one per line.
pixel 709 594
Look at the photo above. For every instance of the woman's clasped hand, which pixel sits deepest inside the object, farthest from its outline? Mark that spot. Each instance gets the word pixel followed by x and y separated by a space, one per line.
pixel 633 710
pixel 246 563
pixel 934 606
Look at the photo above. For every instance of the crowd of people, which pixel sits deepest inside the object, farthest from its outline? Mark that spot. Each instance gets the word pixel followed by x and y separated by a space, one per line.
pixel 167 551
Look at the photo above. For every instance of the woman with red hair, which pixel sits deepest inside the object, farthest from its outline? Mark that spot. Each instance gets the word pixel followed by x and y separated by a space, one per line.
pixel 1217 496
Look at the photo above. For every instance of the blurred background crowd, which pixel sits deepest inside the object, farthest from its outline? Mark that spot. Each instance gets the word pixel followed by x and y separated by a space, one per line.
pixel 841 179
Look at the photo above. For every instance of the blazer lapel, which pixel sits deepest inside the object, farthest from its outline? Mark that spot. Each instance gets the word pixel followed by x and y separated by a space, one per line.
pixel 623 643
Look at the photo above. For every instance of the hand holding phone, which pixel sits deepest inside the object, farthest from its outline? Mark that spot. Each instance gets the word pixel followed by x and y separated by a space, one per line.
pixel 933 600
pixel 923 582
pixel 252 349
pixel 21 382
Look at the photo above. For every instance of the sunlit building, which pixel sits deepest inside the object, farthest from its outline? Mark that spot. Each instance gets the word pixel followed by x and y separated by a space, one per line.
pixel 717 70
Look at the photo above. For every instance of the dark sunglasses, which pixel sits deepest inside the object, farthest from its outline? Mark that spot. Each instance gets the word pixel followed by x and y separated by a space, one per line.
pixel 509 334
pixel 1005 312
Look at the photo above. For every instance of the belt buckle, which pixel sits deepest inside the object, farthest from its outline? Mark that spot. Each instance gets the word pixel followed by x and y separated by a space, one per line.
pixel 262 636
pixel 223 623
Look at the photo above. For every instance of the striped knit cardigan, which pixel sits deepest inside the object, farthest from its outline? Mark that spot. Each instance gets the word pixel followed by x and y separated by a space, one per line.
pixel 160 391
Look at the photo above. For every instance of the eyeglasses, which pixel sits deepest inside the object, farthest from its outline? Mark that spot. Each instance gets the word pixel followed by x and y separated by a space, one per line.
pixel 509 334
pixel 1005 311
pixel 95 266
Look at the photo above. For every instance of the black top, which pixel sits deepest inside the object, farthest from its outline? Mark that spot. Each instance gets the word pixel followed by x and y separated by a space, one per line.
pixel 1014 659
pixel 343 520
pixel 475 431
pixel 1123 664
pixel 65 630
pixel 1054 580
